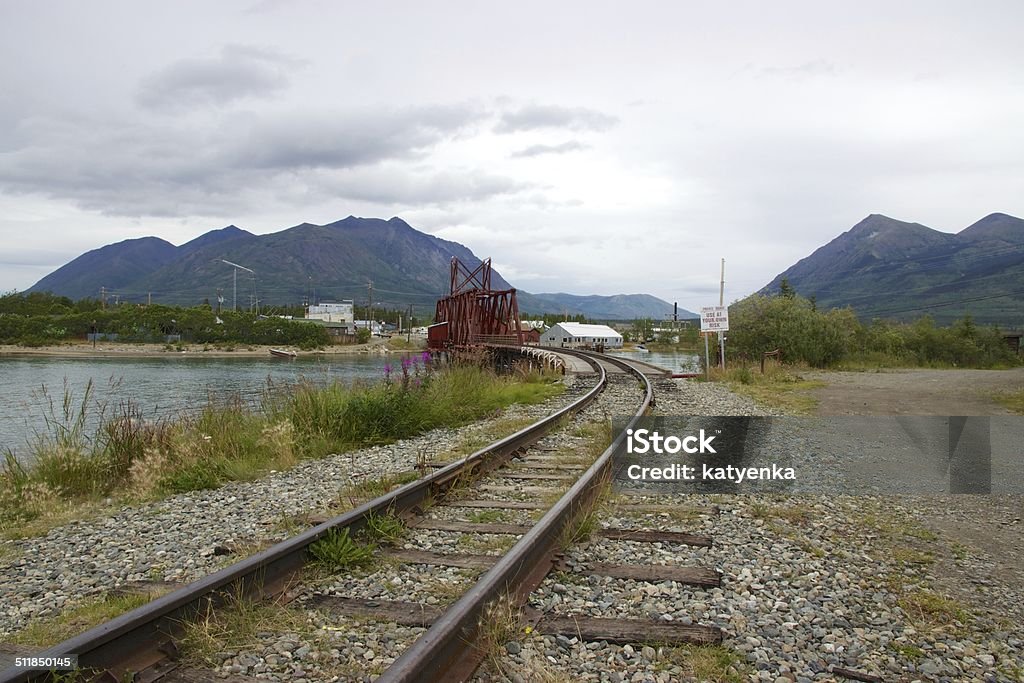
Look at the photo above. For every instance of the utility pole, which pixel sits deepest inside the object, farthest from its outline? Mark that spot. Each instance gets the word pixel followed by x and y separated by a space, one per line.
pixel 149 298
pixel 408 336
pixel 721 302
pixel 103 296
pixel 369 289
pixel 234 282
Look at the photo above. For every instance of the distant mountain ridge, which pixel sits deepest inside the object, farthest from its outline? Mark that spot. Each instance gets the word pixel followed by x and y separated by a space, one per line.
pixel 307 262
pixel 887 268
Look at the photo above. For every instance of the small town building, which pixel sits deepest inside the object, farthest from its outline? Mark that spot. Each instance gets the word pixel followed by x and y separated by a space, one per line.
pixel 580 335
pixel 375 327
pixel 341 312
pixel 531 335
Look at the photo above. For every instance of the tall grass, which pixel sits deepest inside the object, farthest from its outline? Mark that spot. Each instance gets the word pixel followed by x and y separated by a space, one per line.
pixel 126 458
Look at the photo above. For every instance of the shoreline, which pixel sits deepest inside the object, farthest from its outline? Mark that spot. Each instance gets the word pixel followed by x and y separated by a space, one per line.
pixel 155 350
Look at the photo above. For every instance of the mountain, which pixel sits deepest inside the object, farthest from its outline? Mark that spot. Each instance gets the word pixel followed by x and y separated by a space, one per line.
pixel 329 262
pixel 213 237
pixel 887 268
pixel 616 307
pixel 111 267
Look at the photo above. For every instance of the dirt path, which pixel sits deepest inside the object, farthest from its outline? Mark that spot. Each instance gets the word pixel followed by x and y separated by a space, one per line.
pixel 978 556
pixel 914 392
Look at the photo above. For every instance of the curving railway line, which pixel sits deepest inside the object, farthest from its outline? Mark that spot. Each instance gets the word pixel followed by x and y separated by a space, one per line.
pixel 518 475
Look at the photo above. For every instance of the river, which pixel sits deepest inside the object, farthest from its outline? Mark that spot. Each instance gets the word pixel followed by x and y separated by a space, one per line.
pixel 674 361
pixel 161 387
pixel 168 385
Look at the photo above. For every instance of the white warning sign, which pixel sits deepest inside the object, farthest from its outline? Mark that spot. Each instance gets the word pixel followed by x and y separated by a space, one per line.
pixel 714 318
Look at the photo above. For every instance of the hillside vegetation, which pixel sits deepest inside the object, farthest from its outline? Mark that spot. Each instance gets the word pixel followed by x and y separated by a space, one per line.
pixel 38 319
pixel 885 268
pixel 834 338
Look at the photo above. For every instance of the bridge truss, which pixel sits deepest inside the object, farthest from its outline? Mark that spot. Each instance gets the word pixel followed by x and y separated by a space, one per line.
pixel 473 313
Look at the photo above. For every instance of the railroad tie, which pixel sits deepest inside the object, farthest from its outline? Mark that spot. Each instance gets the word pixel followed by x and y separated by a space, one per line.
pixel 618 631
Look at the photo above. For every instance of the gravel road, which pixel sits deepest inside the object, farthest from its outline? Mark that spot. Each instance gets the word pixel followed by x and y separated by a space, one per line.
pixel 914 392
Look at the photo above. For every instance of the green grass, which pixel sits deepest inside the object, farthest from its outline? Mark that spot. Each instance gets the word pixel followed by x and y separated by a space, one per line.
pixel 337 550
pixel 488 516
pixel 911 652
pixel 500 622
pixel 239 626
pixel 1013 401
pixel 399 343
pixel 797 515
pixel 492 544
pixel 714 663
pixel 779 388
pixel 8 552
pixel 388 528
pixel 368 489
pixel 932 609
pixel 52 630
pixel 127 459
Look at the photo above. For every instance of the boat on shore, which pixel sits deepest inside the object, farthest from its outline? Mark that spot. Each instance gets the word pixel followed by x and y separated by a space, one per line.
pixel 282 353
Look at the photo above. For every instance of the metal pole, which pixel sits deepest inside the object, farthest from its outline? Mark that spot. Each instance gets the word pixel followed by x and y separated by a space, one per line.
pixel 707 355
pixel 234 290
pixel 721 302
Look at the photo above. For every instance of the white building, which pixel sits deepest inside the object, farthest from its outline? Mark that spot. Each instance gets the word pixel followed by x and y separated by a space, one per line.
pixel 332 312
pixel 375 327
pixel 569 335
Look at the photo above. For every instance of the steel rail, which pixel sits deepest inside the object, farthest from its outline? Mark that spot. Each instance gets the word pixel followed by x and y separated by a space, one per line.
pixel 446 651
pixel 143 637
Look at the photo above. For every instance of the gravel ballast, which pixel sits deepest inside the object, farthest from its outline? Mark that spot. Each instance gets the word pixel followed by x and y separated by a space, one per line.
pixel 184 537
pixel 878 585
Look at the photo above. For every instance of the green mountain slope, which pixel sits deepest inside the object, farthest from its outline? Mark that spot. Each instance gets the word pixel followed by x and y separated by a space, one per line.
pixel 309 262
pixel 890 269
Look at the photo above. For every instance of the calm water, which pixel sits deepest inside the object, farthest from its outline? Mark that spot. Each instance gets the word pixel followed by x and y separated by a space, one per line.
pixel 676 362
pixel 159 386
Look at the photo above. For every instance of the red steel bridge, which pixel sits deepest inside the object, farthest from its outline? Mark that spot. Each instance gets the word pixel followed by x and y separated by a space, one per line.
pixel 473 313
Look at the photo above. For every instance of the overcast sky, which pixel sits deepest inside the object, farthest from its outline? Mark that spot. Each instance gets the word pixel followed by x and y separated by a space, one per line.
pixel 588 147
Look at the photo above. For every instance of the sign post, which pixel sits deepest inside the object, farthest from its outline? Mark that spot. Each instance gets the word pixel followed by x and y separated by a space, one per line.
pixel 714 319
pixel 707 355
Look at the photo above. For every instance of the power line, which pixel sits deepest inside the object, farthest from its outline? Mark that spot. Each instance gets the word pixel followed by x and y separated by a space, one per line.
pixel 943 304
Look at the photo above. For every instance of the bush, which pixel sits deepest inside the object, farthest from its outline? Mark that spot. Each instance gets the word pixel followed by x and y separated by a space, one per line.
pixel 762 323
pixel 827 338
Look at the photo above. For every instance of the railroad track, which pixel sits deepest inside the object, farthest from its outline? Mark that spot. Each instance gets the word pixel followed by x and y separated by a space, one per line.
pixel 515 480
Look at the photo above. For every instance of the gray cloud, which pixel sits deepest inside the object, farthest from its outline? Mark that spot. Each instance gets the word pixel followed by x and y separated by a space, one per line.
pixel 238 72
pixel 341 140
pixel 563 148
pixel 537 116
pixel 423 187
pixel 148 169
